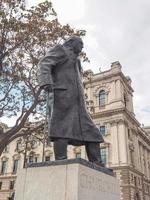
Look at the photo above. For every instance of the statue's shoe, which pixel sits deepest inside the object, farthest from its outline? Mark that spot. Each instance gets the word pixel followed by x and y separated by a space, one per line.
pixel 100 164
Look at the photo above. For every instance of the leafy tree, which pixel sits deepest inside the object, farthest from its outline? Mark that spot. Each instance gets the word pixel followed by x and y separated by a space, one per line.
pixel 25 36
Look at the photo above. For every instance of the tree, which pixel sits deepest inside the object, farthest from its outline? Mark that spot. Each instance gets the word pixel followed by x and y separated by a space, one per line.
pixel 25 36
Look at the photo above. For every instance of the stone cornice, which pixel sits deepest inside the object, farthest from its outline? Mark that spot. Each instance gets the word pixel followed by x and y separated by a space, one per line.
pixel 107 75
pixel 7 190
pixel 128 168
pixel 114 112
pixel 128 115
pixel 8 176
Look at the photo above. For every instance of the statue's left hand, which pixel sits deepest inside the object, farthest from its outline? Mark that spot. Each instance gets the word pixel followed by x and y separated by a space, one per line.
pixel 47 88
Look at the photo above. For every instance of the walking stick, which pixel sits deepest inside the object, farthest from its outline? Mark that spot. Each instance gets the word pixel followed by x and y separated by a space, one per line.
pixel 49 110
pixel 45 128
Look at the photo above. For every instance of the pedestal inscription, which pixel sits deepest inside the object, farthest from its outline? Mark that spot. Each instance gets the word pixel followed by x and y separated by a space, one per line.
pixel 66 181
pixel 97 184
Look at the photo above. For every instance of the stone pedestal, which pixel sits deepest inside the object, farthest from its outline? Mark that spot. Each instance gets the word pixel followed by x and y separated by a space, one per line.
pixel 74 179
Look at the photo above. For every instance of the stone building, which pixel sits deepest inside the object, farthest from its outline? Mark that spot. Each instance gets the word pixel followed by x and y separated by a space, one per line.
pixel 127 145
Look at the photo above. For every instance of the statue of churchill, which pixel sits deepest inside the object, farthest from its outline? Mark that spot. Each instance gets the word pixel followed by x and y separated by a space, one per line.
pixel 69 121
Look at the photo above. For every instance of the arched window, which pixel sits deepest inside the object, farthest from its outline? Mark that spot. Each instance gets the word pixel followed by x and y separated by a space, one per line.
pixel 102 98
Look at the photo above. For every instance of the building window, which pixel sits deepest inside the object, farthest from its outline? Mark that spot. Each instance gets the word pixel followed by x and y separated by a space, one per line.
pixel 125 100
pixel 11 197
pixel 135 181
pixel 15 166
pixel 31 159
pixel 18 145
pixel 102 98
pixel 47 158
pixel 1 185
pixel 78 155
pixel 12 184
pixel 103 155
pixel 102 130
pixel 137 196
pixel 132 157
pixel 3 168
pixel 36 159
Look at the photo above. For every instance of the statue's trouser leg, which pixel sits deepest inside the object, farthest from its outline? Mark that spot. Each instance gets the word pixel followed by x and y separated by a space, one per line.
pixel 60 148
pixel 93 151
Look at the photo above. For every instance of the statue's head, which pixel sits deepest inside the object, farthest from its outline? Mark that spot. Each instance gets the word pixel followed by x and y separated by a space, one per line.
pixel 75 42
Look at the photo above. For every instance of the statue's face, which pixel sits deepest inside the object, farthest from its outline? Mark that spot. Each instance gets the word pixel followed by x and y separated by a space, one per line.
pixel 77 46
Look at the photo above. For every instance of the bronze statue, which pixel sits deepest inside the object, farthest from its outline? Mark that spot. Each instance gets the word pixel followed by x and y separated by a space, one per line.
pixel 69 122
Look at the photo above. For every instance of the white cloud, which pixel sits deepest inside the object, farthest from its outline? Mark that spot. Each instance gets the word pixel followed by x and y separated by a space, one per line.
pixel 69 10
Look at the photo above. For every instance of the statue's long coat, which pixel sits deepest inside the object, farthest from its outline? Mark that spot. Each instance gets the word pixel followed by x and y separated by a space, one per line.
pixel 68 117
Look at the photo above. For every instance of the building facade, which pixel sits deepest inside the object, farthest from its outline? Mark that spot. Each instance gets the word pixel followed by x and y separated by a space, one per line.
pixel 126 148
